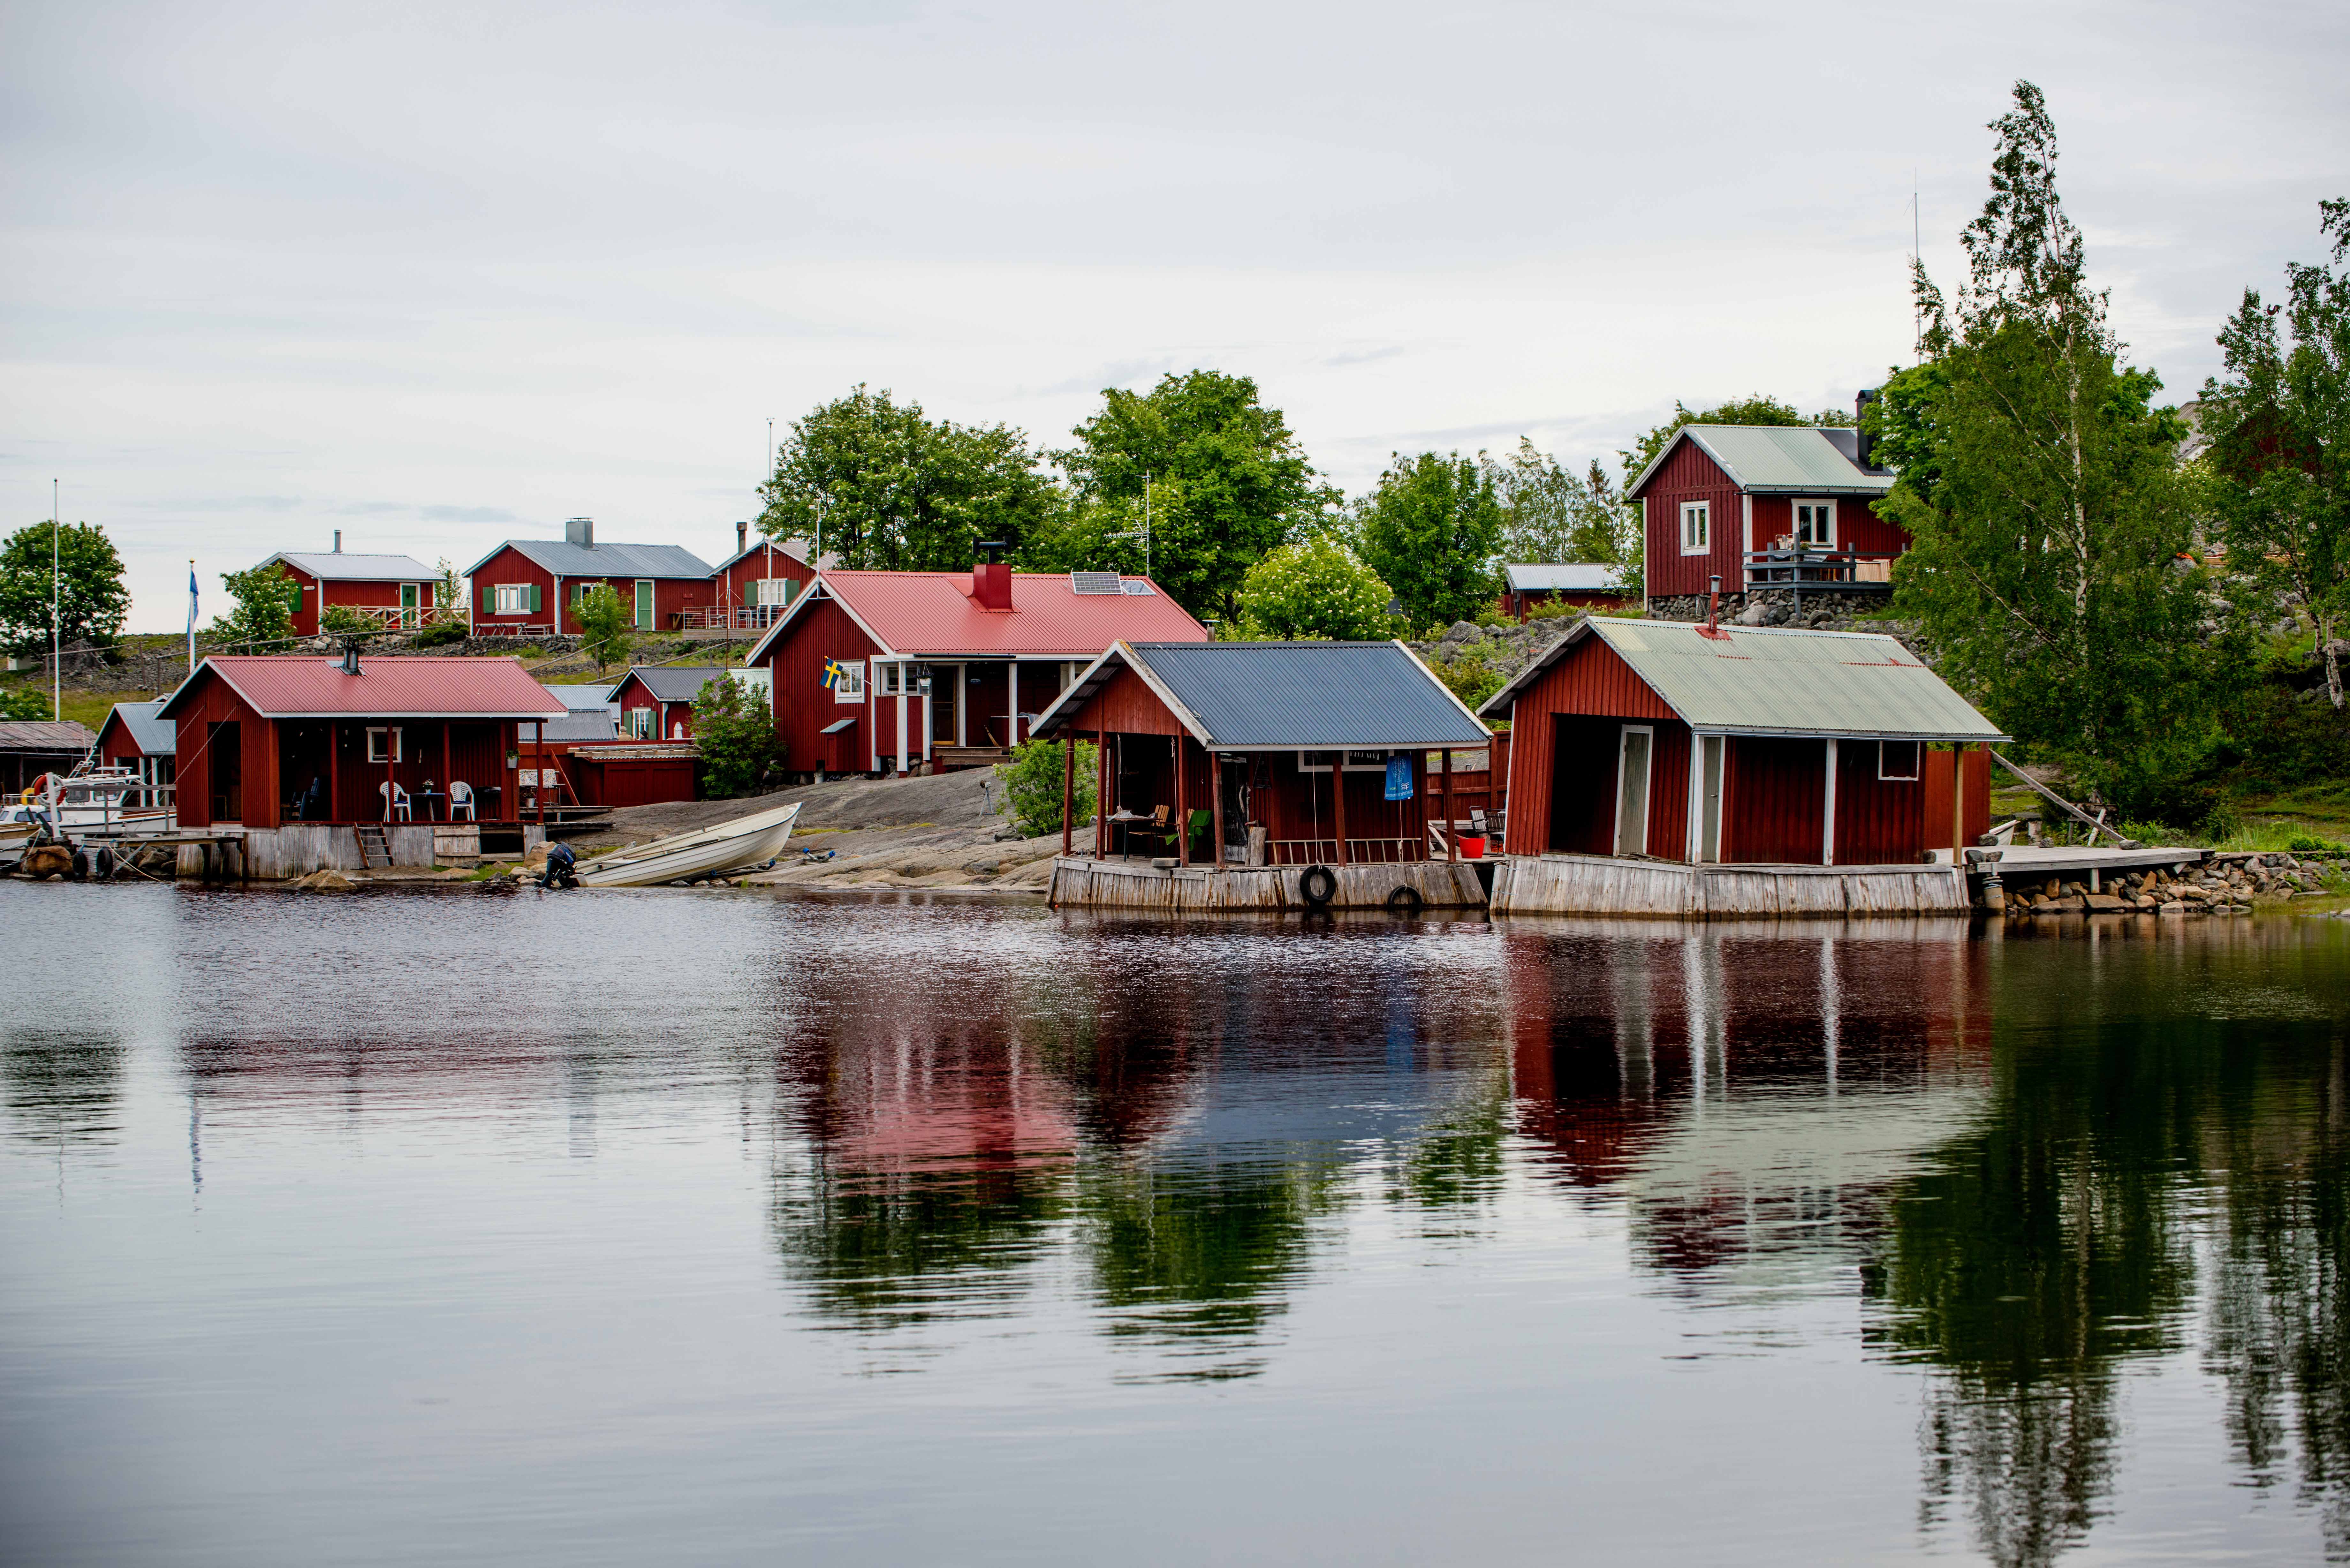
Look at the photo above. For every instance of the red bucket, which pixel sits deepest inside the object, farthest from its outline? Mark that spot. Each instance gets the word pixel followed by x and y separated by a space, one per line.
pixel 1473 847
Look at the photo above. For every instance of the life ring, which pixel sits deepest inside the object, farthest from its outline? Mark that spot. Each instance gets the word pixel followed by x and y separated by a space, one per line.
pixel 1318 884
pixel 1408 900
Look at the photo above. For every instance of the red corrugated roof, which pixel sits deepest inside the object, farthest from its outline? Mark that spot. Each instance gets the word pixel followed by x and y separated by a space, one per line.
pixel 313 686
pixel 932 615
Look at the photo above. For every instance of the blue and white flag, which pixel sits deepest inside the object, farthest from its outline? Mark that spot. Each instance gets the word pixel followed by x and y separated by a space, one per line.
pixel 192 599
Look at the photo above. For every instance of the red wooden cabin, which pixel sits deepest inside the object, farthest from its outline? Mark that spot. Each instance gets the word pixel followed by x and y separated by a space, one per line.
pixel 946 668
pixel 656 700
pixel 531 584
pixel 1586 585
pixel 1764 505
pixel 1677 742
pixel 268 739
pixel 134 737
pixel 758 582
pixel 395 590
pixel 1294 752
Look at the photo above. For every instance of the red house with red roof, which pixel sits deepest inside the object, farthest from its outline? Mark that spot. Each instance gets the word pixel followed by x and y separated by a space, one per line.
pixel 947 667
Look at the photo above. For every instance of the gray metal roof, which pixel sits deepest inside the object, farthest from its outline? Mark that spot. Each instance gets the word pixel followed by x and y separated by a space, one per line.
pixel 1269 696
pixel 1574 576
pixel 568 560
pixel 672 682
pixel 1762 680
pixel 585 724
pixel 154 737
pixel 1779 459
pixel 44 735
pixel 579 698
pixel 335 565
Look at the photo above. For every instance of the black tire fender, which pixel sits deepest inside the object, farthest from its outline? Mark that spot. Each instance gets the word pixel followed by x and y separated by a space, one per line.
pixel 1407 900
pixel 1317 885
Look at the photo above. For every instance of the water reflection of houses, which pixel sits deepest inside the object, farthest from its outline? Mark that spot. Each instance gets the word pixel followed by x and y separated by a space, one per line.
pixel 1748 1091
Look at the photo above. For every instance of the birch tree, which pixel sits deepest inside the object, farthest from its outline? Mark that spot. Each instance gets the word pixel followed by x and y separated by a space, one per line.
pixel 2039 483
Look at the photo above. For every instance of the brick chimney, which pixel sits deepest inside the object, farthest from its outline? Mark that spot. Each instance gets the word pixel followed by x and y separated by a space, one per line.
pixel 580 530
pixel 991 578
pixel 742 537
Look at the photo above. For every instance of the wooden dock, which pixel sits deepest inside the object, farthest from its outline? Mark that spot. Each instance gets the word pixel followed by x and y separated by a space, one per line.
pixel 1601 885
pixel 1083 882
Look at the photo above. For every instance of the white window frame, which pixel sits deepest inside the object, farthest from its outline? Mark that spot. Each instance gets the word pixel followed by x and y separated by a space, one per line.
pixel 640 725
pixel 772 593
pixel 376 746
pixel 512 598
pixel 1795 527
pixel 852 686
pixel 899 678
pixel 1702 514
pixel 1918 762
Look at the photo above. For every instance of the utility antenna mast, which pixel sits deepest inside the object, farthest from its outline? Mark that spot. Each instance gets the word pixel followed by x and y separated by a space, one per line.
pixel 1917 253
pixel 56 616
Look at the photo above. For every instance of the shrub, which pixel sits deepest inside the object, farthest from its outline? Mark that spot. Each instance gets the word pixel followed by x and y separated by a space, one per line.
pixel 342 620
pixel 604 622
pixel 440 633
pixel 23 702
pixel 1471 676
pixel 734 731
pixel 1313 588
pixel 1032 785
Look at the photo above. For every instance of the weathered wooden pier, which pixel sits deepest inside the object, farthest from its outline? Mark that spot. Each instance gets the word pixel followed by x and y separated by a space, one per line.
pixel 1606 885
pixel 1263 890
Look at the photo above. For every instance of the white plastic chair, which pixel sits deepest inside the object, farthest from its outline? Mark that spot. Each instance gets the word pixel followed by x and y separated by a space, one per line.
pixel 397 799
pixel 460 798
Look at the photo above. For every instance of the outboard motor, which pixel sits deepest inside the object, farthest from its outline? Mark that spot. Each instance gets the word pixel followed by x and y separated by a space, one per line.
pixel 559 863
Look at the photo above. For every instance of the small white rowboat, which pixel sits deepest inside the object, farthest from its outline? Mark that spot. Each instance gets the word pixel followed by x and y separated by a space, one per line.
pixel 744 843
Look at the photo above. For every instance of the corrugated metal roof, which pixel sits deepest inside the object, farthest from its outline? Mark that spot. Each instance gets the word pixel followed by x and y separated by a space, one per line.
pixel 579 698
pixel 334 565
pixel 1313 695
pixel 1777 460
pixel 672 683
pixel 154 737
pixel 566 559
pixel 1574 576
pixel 585 725
pixel 300 686
pixel 1759 681
pixel 932 615
pixel 44 735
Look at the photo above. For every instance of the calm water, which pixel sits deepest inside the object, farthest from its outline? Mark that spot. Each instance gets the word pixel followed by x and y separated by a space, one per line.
pixel 633 1227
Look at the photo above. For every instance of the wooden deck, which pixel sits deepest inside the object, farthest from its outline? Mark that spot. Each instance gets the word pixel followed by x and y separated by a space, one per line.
pixel 1599 885
pixel 1083 882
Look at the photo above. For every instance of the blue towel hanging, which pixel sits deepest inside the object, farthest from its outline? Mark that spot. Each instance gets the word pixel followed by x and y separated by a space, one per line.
pixel 1398 778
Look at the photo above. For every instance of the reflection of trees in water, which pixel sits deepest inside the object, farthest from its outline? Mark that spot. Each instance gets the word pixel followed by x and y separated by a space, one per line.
pixel 60 1089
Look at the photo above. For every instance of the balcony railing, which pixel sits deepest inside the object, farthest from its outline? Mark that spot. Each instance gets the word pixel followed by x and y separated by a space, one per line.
pixel 730 618
pixel 1802 566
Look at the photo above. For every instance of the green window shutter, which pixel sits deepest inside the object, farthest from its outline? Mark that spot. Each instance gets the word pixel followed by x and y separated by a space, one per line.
pixel 534 599
pixel 489 599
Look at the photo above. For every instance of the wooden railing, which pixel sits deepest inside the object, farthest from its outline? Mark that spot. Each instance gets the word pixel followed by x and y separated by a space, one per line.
pixel 1360 851
pixel 1813 566
pixel 730 618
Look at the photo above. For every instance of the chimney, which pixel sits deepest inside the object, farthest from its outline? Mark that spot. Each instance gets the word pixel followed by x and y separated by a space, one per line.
pixel 1866 451
pixel 742 537
pixel 350 656
pixel 580 530
pixel 1712 627
pixel 991 578
pixel 339 541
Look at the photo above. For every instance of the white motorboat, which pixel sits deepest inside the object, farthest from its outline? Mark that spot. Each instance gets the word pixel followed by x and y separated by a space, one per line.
pixel 92 800
pixel 739 844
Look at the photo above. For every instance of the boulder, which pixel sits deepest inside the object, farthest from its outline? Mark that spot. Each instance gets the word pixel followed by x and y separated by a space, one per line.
pixel 2174 908
pixel 326 881
pixel 535 861
pixel 43 861
pixel 2104 904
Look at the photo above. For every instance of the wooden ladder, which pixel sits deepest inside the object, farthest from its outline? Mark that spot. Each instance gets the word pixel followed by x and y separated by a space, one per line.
pixel 374 842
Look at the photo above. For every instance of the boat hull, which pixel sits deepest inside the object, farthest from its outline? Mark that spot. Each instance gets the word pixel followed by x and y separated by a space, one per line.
pixel 713 852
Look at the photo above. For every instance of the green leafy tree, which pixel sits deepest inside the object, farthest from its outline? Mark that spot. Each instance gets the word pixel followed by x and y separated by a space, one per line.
pixel 25 702
pixel 2279 422
pixel 1430 529
pixel 605 619
pixel 342 620
pixel 1317 587
pixel 895 490
pixel 1223 480
pixel 2049 517
pixel 450 602
pixel 260 617
pixel 1549 515
pixel 734 731
pixel 1032 785
pixel 1755 409
pixel 91 602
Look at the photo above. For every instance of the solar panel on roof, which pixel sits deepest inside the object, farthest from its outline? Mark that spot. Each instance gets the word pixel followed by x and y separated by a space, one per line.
pixel 1094 583
pixel 1135 585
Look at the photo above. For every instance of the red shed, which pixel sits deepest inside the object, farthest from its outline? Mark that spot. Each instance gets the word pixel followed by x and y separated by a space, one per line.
pixel 395 590
pixel 1585 585
pixel 265 740
pixel 135 737
pixel 656 700
pixel 1301 753
pixel 949 667
pixel 1759 505
pixel 531 584
pixel 1676 741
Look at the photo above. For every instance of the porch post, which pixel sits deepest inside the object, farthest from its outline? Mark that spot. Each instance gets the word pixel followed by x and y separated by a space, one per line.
pixel 1101 794
pixel 1959 803
pixel 1068 789
pixel 538 757
pixel 1451 844
pixel 1216 808
pixel 1338 797
pixel 1182 809
pixel 1827 822
pixel 445 780
pixel 1014 729
pixel 334 773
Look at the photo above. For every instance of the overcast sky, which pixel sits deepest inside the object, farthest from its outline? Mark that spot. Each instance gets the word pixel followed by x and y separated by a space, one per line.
pixel 439 277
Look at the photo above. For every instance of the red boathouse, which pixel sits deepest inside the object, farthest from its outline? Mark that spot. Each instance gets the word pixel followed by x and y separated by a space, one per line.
pixel 1673 742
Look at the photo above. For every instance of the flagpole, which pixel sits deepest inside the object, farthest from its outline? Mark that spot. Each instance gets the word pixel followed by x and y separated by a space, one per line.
pixel 191 615
pixel 56 619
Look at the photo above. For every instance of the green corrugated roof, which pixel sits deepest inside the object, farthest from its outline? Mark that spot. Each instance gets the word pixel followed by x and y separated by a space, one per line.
pixel 1779 459
pixel 1759 681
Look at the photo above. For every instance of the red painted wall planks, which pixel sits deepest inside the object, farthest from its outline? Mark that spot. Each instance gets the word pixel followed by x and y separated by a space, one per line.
pixel 821 632
pixel 1774 802
pixel 1590 680
pixel 1689 475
